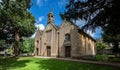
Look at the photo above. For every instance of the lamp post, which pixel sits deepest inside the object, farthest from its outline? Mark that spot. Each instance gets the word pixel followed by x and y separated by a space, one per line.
pixel 37 47
pixel 58 44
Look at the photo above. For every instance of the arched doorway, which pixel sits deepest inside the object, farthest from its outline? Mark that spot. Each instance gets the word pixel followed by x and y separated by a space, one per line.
pixel 67 51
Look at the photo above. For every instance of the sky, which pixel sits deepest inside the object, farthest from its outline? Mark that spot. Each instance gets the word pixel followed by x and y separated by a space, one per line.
pixel 41 8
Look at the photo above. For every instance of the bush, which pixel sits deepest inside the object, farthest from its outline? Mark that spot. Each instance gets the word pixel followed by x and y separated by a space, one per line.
pixel 99 57
pixel 102 57
pixel 9 51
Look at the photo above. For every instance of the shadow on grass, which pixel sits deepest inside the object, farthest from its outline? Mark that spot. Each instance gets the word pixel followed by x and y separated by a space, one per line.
pixel 12 63
pixel 51 64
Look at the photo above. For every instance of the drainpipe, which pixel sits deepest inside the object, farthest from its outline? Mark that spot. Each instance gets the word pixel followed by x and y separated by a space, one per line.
pixel 58 44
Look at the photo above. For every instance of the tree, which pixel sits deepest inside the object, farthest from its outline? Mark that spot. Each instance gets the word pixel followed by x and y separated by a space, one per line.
pixel 100 46
pixel 27 45
pixel 111 35
pixel 97 13
pixel 15 21
pixel 3 45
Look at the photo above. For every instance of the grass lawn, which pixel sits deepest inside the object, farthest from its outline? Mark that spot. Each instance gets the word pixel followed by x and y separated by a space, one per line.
pixel 30 63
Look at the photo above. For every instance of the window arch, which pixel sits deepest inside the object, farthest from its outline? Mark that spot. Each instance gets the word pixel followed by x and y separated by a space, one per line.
pixel 37 41
pixel 67 37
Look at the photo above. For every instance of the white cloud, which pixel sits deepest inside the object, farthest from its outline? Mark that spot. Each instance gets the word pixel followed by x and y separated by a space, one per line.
pixel 90 33
pixel 80 23
pixel 40 18
pixel 0 0
pixel 40 26
pixel 39 3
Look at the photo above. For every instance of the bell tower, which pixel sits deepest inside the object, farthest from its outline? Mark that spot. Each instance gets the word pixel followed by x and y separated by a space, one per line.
pixel 50 17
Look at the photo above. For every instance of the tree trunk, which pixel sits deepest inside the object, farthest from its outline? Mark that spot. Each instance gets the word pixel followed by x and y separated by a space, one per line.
pixel 16 43
pixel 16 49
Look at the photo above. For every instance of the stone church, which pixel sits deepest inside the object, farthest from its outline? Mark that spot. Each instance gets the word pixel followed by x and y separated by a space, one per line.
pixel 67 40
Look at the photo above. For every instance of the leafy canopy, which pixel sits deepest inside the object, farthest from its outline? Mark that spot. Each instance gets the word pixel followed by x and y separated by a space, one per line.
pixel 14 15
pixel 100 46
pixel 96 13
pixel 27 45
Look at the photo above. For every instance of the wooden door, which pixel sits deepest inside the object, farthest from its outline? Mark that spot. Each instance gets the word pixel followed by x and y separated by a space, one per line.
pixel 48 51
pixel 67 51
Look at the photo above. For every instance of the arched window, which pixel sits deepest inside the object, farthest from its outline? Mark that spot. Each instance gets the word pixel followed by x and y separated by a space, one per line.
pixel 67 37
pixel 37 41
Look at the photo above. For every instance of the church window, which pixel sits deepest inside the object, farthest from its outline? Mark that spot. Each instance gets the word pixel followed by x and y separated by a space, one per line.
pixel 67 37
pixel 51 15
pixel 37 41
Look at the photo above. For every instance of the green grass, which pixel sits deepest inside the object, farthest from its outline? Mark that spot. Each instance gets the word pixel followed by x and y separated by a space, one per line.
pixel 30 63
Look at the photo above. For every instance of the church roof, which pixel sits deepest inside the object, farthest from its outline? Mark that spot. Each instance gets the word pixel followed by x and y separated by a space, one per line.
pixel 51 11
pixel 80 30
pixel 38 31
pixel 55 26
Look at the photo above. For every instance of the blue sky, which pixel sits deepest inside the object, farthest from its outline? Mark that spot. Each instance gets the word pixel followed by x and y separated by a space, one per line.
pixel 41 8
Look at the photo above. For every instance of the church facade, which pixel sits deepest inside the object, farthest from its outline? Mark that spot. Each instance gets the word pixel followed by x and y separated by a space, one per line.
pixel 67 40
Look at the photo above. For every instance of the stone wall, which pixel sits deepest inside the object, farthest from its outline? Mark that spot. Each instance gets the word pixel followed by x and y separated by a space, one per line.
pixel 37 42
pixel 53 43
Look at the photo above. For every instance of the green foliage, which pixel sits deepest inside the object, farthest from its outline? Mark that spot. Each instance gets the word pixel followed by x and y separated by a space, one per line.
pixel 102 57
pixel 9 51
pixel 14 16
pixel 96 13
pixel 99 57
pixel 100 46
pixel 3 45
pixel 108 58
pixel 15 21
pixel 27 45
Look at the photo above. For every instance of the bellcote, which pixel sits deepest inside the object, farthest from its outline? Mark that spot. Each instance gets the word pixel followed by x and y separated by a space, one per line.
pixel 50 17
